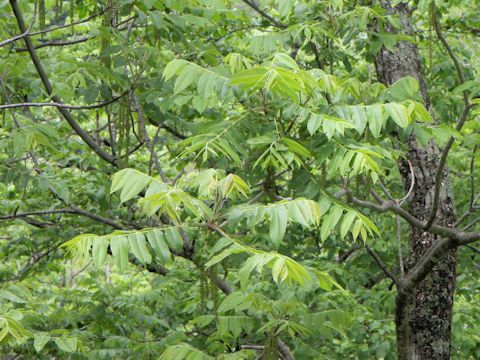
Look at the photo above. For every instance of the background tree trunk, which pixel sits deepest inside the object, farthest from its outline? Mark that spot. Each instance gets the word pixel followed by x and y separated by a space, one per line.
pixel 424 321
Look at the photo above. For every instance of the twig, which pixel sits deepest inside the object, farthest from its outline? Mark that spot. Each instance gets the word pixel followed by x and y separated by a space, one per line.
pixel 458 67
pixel 460 237
pixel 62 105
pixel 473 249
pixel 458 126
pixel 58 43
pixel 173 131
pixel 150 144
pixel 441 166
pixel 236 30
pixel 399 248
pixel 69 25
pixel 253 347
pixel 385 190
pixel 381 264
pixel 412 184
pixel 25 33
pixel 471 224
pixel 472 179
pixel 270 19
pixel 344 256
pixel 70 210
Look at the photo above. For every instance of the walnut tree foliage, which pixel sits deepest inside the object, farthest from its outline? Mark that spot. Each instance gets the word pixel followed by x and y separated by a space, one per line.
pixel 216 179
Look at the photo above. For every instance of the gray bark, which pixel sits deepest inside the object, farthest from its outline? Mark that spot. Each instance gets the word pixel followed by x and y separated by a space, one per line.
pixel 423 317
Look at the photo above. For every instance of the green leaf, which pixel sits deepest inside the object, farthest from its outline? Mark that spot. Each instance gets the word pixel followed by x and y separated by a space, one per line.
pixel 359 118
pixel 41 339
pixel 347 223
pixel 231 302
pixel 297 148
pixel 251 79
pixel 285 6
pixel 67 344
pixel 184 352
pixel 206 84
pixel 398 113
pixel 375 119
pixel 174 239
pixel 157 242
pixel 284 59
pixel 185 79
pixel 404 88
pixel 279 270
pixel 278 223
pixel 467 85
pixel 139 248
pixel 330 221
pixel 356 229
pixel 119 246
pixel 99 252
pixel 314 123
pixel 7 295
pixel 173 68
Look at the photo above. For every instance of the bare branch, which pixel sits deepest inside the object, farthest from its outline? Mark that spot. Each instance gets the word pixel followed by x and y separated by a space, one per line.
pixel 458 126
pixel 15 38
pixel 345 255
pixel 236 30
pixel 412 184
pixel 25 33
pixel 270 19
pixel 253 347
pixel 473 199
pixel 69 210
pixel 441 166
pixel 399 248
pixel 78 22
pixel 458 67
pixel 381 264
pixel 472 224
pixel 472 179
pixel 58 43
pixel 173 131
pixel 461 237
pixel 62 105
pixel 474 249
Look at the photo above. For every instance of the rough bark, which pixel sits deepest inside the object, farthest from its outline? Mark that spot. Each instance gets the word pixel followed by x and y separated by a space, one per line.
pixel 423 317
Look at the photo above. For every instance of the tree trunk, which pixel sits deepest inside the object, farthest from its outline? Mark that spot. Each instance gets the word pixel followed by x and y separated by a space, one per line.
pixel 423 319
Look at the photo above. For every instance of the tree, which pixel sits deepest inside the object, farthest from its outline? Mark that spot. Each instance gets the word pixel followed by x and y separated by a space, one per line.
pixel 216 179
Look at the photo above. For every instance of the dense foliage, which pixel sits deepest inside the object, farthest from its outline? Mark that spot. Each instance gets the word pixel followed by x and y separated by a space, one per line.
pixel 193 179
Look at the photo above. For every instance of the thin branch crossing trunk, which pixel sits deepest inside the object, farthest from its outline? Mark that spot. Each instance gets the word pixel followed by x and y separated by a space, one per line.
pixel 423 316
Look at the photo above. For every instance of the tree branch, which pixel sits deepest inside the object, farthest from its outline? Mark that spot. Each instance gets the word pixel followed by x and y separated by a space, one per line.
pixel 269 18
pixel 441 166
pixel 46 83
pixel 458 126
pixel 69 210
pixel 443 40
pixel 15 38
pixel 25 33
pixel 461 237
pixel 62 105
pixel 381 264
pixel 58 43
pixel 69 25
pixel 399 248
